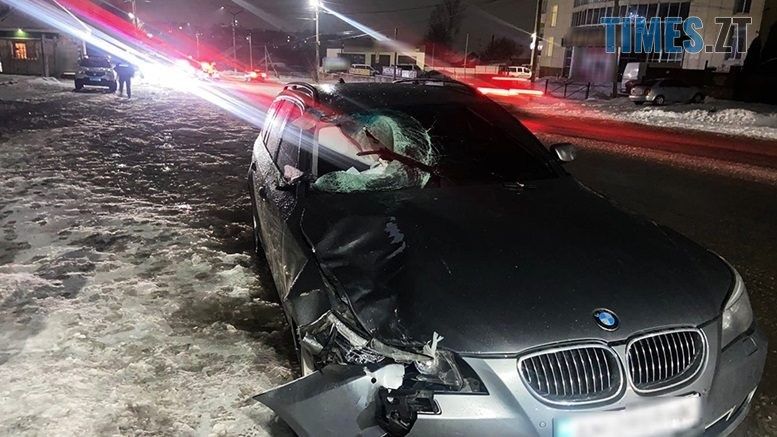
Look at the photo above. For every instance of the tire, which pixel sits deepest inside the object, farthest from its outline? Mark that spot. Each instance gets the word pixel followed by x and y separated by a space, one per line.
pixel 659 100
pixel 79 85
pixel 639 103
pixel 112 87
pixel 698 98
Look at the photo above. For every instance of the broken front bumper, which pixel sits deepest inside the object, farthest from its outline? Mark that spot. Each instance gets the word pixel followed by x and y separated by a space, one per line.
pixel 344 400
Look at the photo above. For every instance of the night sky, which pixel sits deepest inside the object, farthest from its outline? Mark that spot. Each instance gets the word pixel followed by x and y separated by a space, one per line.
pixel 482 18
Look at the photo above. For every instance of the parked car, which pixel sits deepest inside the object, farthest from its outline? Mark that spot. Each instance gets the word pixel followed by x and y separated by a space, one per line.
pixel 406 71
pixel 235 76
pixel 95 71
pixel 519 71
pixel 257 75
pixel 363 70
pixel 661 91
pixel 443 274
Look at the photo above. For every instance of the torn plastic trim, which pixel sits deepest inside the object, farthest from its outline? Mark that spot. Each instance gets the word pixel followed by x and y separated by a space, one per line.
pixel 330 322
pixel 398 409
pixel 343 400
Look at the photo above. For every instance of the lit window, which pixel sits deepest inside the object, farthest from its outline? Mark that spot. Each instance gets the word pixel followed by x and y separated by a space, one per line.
pixel 20 50
pixel 549 46
pixel 553 15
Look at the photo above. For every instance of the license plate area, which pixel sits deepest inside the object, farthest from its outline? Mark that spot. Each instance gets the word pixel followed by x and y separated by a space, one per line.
pixel 665 417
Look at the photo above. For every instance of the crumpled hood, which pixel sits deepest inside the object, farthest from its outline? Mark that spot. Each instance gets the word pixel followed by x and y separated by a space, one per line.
pixel 497 270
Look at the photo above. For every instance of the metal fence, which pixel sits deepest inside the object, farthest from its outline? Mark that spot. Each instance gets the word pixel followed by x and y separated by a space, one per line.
pixel 569 89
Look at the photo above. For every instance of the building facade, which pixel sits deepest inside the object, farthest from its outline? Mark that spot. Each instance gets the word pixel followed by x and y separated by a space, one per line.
pixel 574 39
pixel 378 55
pixel 29 47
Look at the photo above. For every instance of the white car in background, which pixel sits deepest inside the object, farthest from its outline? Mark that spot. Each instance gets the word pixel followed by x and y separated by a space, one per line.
pixel 95 71
pixel 363 70
pixel 519 71
pixel 661 91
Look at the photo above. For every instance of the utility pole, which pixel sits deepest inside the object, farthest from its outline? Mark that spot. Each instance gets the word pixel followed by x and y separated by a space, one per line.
pixel 135 14
pixel 396 56
pixel 536 41
pixel 234 39
pixel 466 52
pixel 317 10
pixel 251 50
pixel 616 10
pixel 266 60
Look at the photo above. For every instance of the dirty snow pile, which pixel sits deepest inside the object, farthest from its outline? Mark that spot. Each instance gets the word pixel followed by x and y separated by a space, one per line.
pixel 121 313
pixel 719 116
pixel 32 89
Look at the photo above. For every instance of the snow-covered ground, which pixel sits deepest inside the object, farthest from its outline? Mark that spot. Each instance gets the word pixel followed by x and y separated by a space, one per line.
pixel 130 303
pixel 720 116
pixel 32 89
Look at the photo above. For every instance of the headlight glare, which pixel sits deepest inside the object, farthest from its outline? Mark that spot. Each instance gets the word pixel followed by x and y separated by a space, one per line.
pixel 737 314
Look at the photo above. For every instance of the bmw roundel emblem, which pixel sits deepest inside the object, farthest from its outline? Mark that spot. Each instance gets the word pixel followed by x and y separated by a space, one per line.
pixel 606 319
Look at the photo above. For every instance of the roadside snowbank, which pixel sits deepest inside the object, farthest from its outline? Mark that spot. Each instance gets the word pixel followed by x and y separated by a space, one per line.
pixel 127 304
pixel 30 89
pixel 720 116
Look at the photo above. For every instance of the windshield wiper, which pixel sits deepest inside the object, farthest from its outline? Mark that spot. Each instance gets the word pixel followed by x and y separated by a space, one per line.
pixel 387 154
pixel 390 155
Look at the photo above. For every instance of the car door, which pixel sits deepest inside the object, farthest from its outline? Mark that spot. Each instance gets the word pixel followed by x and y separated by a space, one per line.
pixel 674 92
pixel 265 152
pixel 685 91
pixel 277 198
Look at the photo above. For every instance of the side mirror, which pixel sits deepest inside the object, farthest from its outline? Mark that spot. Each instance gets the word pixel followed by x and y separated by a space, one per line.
pixel 565 152
pixel 293 178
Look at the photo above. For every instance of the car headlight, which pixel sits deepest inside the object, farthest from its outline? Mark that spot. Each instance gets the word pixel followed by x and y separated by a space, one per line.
pixel 737 314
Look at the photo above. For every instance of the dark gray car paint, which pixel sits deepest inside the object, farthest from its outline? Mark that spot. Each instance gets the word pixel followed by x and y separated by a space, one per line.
pixel 497 270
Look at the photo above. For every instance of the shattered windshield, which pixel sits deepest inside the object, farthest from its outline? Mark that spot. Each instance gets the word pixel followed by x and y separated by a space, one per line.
pixel 414 146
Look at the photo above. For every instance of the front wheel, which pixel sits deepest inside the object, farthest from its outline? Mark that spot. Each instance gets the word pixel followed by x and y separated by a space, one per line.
pixel 112 87
pixel 79 85
pixel 659 100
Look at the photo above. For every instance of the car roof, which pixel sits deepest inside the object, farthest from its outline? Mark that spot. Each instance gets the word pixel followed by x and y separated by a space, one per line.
pixel 354 97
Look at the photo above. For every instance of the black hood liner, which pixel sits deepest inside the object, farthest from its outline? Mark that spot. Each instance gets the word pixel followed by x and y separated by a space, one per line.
pixel 497 270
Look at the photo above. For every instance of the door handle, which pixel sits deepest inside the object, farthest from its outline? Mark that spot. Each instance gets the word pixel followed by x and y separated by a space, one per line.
pixel 262 193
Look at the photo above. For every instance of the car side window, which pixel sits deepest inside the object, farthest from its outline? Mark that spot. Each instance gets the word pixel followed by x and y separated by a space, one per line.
pixel 275 129
pixel 289 150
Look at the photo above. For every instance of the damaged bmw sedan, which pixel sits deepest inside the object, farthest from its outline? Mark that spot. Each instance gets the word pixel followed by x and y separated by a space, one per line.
pixel 444 275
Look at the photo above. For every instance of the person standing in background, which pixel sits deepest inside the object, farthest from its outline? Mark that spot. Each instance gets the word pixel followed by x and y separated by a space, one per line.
pixel 125 71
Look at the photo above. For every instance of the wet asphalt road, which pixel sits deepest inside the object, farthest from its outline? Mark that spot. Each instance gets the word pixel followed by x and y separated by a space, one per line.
pixel 197 159
pixel 731 210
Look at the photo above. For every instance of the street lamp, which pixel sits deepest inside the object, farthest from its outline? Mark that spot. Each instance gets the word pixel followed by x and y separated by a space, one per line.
pixel 197 36
pixel 316 4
